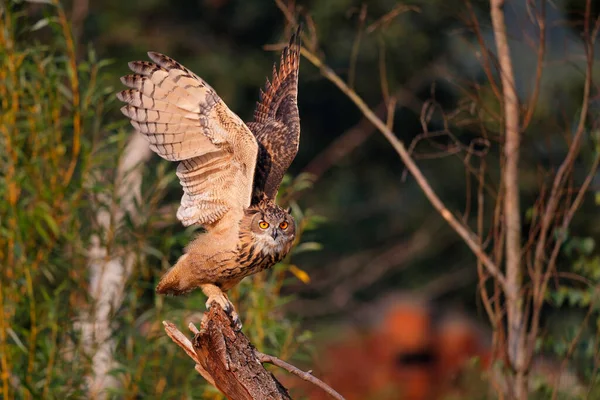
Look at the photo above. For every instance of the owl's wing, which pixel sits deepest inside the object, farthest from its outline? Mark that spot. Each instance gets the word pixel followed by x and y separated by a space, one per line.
pixel 276 122
pixel 185 120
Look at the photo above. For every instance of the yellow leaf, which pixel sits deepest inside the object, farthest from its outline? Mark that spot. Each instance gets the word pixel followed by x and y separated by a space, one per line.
pixel 300 274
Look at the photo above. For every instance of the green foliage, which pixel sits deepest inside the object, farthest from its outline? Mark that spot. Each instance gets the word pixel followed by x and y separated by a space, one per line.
pixel 577 291
pixel 51 124
pixel 59 149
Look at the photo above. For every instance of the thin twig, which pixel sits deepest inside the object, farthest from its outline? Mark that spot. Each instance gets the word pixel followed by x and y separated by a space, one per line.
pixel 362 16
pixel 289 13
pixel 541 20
pixel 486 63
pixel 362 270
pixel 387 18
pixel 351 139
pixel 542 277
pixel 557 186
pixel 383 79
pixel 391 110
pixel 485 297
pixel 551 265
pixel 307 376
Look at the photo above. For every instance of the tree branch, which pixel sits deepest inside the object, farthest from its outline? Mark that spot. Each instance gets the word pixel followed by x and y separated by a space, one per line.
pixel 182 341
pixel 559 179
pixel 307 376
pixel 464 232
pixel 542 277
pixel 354 137
pixel 541 21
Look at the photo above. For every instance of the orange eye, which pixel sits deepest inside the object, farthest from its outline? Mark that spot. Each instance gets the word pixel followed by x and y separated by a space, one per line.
pixel 263 224
pixel 284 225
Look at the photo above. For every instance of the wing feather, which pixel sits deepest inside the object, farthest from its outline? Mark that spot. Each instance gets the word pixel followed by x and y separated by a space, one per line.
pixel 276 122
pixel 184 120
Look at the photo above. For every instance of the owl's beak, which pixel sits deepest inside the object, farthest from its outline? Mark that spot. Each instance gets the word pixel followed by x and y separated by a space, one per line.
pixel 274 234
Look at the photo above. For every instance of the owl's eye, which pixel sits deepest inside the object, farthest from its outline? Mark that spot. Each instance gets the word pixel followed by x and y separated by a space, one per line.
pixel 263 224
pixel 284 225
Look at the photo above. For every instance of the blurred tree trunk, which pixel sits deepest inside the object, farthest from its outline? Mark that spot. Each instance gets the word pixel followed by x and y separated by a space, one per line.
pixel 110 267
pixel 512 210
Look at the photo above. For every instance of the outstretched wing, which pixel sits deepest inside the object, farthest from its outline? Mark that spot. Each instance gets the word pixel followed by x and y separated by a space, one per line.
pixel 185 120
pixel 276 122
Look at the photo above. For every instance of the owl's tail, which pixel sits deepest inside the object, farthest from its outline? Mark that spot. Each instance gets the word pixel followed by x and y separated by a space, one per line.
pixel 176 281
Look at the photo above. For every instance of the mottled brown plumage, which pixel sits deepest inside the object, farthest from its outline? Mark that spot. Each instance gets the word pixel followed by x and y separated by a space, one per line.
pixel 277 123
pixel 230 171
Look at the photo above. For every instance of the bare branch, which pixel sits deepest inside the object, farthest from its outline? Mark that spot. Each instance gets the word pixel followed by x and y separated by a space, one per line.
pixel 542 277
pixel 541 21
pixel 289 13
pixel 363 269
pixel 362 16
pixel 182 341
pixel 567 164
pixel 487 67
pixel 551 265
pixel 464 232
pixel 307 376
pixel 359 133
pixel 387 18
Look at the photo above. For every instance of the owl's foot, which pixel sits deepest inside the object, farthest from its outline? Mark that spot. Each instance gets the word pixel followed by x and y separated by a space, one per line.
pixel 216 295
pixel 227 306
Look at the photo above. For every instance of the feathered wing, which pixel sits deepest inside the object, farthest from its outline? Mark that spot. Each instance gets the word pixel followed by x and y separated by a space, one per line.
pixel 276 122
pixel 185 120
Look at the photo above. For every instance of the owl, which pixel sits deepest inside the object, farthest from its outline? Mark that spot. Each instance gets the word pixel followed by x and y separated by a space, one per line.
pixel 230 171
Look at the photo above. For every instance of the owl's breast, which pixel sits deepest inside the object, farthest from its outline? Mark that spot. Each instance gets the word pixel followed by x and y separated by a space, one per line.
pixel 253 258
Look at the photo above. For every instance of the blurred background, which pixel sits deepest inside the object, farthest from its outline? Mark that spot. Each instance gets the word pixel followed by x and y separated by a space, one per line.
pixel 380 297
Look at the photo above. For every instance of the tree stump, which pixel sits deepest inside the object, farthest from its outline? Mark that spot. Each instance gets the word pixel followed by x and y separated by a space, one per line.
pixel 230 359
pixel 229 362
pixel 227 359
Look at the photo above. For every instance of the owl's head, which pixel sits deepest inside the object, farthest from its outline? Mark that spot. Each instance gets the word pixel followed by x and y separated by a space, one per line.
pixel 272 227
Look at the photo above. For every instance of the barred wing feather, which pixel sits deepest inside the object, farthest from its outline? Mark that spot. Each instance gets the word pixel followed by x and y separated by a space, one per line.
pixel 276 122
pixel 185 120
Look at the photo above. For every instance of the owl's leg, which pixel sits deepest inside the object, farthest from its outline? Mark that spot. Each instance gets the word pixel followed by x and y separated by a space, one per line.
pixel 216 295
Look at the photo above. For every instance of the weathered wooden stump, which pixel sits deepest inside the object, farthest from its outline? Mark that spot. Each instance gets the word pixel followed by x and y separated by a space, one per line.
pixel 231 360
pixel 227 360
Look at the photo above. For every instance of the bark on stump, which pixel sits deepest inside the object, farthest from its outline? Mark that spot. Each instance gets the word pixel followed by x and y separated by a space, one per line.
pixel 230 359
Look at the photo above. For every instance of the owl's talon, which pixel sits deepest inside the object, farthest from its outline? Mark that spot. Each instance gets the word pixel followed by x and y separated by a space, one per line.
pixel 237 324
pixel 227 306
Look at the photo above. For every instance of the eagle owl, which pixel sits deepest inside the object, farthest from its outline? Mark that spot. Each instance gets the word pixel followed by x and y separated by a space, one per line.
pixel 230 171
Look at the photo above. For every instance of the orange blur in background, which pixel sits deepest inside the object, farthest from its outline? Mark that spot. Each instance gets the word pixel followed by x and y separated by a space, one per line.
pixel 409 355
